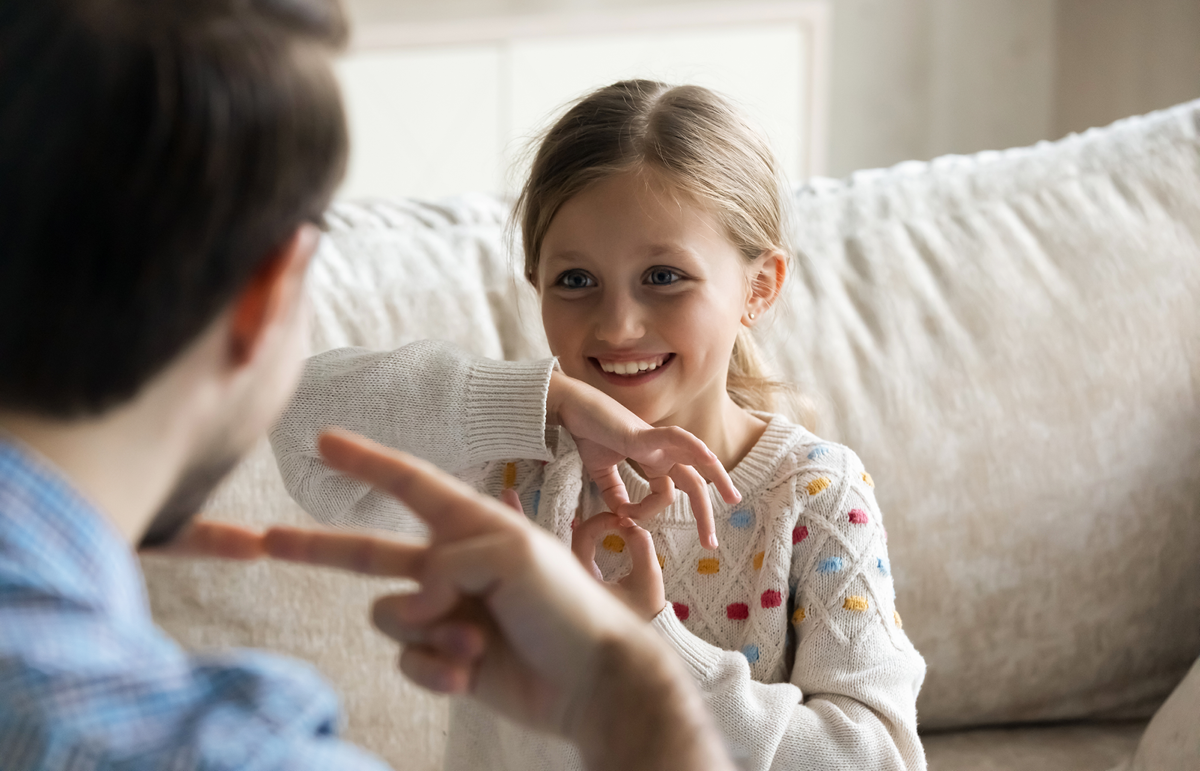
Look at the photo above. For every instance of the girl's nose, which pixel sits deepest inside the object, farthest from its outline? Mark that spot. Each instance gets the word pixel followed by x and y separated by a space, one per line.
pixel 620 320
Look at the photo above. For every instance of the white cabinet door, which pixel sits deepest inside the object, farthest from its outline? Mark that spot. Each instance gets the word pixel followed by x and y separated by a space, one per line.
pixel 449 108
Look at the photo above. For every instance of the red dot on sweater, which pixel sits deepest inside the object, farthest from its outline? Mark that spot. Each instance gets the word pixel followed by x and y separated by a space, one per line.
pixel 771 599
pixel 858 516
pixel 738 611
pixel 799 534
pixel 681 611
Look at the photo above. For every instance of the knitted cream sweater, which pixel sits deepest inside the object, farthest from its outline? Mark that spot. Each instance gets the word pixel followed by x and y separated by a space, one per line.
pixel 789 629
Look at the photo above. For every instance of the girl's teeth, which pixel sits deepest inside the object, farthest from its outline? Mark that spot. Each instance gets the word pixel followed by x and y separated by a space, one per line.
pixel 631 367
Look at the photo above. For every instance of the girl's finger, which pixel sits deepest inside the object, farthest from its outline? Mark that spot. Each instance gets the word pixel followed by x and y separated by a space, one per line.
pixel 662 495
pixel 678 447
pixel 585 535
pixel 644 571
pixel 697 492
pixel 511 499
pixel 612 487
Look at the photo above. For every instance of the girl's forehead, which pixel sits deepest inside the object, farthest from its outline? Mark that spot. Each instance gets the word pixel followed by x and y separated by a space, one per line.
pixel 634 206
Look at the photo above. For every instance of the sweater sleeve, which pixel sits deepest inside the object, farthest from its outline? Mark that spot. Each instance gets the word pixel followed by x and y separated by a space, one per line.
pixel 851 699
pixel 459 412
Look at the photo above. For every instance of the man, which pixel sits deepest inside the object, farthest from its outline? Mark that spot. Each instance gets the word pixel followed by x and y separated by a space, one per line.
pixel 162 165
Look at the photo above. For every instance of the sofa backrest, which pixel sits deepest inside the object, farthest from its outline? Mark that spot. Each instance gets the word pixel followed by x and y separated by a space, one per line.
pixel 1011 341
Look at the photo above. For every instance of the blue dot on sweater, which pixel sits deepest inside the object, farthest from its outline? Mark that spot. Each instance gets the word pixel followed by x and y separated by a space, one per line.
pixel 742 519
pixel 819 451
pixel 750 652
pixel 884 566
pixel 830 565
pixel 537 501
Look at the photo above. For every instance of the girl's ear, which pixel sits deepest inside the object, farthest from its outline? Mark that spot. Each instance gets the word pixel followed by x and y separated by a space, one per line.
pixel 767 274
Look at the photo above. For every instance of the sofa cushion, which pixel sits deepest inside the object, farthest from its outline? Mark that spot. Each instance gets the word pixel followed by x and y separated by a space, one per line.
pixel 1172 740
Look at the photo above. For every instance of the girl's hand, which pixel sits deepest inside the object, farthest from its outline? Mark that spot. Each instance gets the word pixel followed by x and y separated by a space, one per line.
pixel 642 590
pixel 606 433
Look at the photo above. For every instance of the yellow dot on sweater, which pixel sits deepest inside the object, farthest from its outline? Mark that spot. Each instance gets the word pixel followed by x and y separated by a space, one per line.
pixel 817 485
pixel 708 566
pixel 758 560
pixel 855 603
pixel 662 561
pixel 896 616
pixel 614 543
pixel 510 475
pixel 867 478
pixel 798 616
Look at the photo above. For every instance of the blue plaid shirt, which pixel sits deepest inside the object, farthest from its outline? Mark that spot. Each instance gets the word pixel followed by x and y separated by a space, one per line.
pixel 88 682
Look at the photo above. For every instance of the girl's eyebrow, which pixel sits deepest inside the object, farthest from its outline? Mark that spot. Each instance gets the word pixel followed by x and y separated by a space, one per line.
pixel 572 255
pixel 669 250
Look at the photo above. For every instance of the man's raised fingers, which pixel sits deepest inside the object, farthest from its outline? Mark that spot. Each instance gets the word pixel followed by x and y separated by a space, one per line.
pixel 450 508
pixel 211 539
pixel 359 553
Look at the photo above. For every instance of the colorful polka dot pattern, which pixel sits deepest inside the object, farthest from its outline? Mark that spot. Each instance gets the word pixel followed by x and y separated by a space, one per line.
pixel 818 485
pixel 742 519
pixel 614 543
pixel 662 561
pixel 831 565
pixel 770 599
pixel 510 476
pixel 537 501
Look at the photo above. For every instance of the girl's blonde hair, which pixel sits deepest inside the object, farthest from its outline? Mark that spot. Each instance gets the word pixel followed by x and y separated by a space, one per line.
pixel 697 142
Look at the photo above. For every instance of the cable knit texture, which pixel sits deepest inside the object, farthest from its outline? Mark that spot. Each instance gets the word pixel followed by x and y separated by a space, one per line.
pixel 789 628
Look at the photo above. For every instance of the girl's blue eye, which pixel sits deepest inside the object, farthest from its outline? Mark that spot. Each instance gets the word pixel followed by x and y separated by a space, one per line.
pixel 662 276
pixel 575 279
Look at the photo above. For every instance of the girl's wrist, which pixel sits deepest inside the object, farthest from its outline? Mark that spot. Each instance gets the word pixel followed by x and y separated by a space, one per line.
pixel 556 394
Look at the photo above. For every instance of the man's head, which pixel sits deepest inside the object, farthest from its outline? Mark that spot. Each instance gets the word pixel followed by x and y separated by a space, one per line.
pixel 159 161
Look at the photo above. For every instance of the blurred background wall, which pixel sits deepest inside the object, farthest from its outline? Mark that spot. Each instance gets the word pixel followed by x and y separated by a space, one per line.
pixel 913 79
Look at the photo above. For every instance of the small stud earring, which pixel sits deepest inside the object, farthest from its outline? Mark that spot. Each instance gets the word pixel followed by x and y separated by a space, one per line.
pixel 752 315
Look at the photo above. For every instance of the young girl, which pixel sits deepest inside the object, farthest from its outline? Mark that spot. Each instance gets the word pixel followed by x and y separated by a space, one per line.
pixel 653 231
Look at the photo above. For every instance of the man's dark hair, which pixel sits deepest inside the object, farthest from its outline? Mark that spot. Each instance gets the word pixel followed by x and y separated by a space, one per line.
pixel 153 154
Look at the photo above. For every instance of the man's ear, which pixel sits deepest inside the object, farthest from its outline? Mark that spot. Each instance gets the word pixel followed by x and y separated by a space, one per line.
pixel 767 275
pixel 272 294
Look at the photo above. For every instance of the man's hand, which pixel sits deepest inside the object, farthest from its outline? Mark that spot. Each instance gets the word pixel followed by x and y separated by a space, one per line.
pixel 507 614
pixel 211 539
pixel 642 589
pixel 503 611
pixel 606 433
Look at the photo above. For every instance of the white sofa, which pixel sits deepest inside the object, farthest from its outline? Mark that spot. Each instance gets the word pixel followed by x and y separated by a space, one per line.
pixel 1010 340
